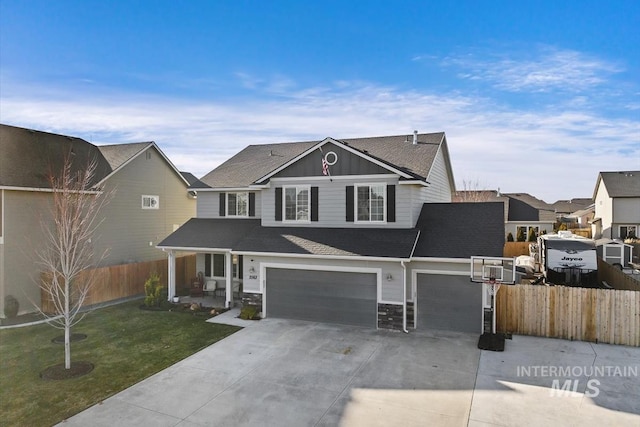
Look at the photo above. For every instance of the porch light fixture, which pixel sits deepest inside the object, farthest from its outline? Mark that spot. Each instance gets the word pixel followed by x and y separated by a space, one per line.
pixel 389 277
pixel 252 270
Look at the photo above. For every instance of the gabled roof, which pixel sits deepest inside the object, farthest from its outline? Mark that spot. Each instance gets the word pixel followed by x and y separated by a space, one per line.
pixel 396 152
pixel 620 183
pixel 573 205
pixel 460 230
pixel 29 157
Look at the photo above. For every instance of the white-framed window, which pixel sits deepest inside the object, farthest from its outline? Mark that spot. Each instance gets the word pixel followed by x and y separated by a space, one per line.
pixel 238 204
pixel 214 265
pixel 370 202
pixel 628 231
pixel 150 202
pixel 297 203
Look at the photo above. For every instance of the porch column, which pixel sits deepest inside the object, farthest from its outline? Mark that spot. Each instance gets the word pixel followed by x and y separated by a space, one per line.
pixel 228 260
pixel 171 278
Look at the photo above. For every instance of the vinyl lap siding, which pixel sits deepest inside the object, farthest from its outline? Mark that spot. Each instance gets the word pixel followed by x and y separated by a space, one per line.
pixel 439 190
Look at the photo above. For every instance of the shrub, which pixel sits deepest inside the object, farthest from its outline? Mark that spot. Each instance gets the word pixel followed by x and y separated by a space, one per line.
pixel 532 235
pixel 153 290
pixel 11 306
pixel 250 312
pixel 520 236
pixel 510 237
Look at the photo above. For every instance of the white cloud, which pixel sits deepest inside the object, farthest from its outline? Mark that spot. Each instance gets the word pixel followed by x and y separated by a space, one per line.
pixel 550 154
pixel 543 70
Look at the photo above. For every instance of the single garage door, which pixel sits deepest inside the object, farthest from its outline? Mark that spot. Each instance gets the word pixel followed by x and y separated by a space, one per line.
pixel 322 296
pixel 451 303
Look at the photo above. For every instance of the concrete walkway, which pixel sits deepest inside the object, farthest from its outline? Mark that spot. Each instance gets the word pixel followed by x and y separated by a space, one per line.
pixel 292 373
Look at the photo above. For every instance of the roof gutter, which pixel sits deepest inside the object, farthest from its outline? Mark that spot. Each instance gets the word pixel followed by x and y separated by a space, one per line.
pixel 319 256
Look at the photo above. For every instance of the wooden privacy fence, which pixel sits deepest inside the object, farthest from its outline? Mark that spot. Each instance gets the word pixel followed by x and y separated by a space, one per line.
pixel 596 315
pixel 126 280
pixel 615 277
pixel 512 249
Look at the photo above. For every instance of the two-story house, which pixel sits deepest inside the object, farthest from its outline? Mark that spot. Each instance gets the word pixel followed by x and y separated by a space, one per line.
pixel 350 231
pixel 617 205
pixel 150 200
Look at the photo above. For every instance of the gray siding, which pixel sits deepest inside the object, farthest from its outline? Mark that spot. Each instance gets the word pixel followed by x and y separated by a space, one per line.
pixel 209 204
pixel 439 190
pixel 331 200
pixel 347 164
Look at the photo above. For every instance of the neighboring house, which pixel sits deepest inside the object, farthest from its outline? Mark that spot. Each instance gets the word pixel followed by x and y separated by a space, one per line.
pixel 522 211
pixel 342 231
pixel 582 218
pixel 617 205
pixel 150 201
pixel 565 209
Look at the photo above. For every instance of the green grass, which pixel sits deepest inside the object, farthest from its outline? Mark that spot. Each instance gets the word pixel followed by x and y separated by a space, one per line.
pixel 124 343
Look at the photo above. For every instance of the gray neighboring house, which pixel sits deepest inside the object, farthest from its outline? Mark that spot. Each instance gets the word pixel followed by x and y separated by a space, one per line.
pixel 331 231
pixel 522 211
pixel 150 201
pixel 617 205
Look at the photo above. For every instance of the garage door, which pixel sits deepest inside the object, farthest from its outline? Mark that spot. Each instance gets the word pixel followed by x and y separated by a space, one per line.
pixel 449 303
pixel 322 296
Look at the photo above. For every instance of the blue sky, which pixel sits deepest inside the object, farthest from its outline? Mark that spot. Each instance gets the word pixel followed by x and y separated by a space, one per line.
pixel 534 96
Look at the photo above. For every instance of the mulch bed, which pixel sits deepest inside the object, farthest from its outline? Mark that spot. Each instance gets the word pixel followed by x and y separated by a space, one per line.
pixel 72 338
pixel 58 372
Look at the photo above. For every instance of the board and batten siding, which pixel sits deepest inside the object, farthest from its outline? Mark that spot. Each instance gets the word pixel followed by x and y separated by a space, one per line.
pixel 439 190
pixel 390 290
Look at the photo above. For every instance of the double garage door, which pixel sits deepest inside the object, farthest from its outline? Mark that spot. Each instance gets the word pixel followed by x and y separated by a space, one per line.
pixel 322 296
pixel 447 302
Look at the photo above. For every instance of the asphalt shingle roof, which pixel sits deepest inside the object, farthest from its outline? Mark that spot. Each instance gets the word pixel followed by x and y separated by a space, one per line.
pixel 118 154
pixel 622 183
pixel 30 157
pixel 461 230
pixel 256 161
pixel 247 235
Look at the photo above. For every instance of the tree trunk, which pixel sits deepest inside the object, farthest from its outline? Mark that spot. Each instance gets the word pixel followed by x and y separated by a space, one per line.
pixel 67 327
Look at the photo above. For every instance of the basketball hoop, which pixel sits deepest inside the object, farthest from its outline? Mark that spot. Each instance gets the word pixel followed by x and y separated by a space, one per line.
pixel 493 286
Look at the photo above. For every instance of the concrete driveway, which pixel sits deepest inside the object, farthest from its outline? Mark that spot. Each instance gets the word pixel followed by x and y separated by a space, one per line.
pixel 292 373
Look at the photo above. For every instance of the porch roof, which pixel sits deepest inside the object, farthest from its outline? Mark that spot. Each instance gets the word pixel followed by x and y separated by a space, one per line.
pixel 209 233
pixel 247 235
pixel 368 242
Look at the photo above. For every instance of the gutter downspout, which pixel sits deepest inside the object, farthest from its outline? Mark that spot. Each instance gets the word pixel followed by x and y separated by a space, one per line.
pixel 404 297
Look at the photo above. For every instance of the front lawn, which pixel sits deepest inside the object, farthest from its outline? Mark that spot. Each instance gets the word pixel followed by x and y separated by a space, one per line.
pixel 126 345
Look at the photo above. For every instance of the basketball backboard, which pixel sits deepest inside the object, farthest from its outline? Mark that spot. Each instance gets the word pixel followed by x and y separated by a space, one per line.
pixel 486 269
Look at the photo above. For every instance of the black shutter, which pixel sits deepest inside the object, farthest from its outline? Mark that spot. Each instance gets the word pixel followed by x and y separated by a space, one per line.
pixel 223 199
pixel 207 265
pixel 349 203
pixel 252 204
pixel 278 203
pixel 391 203
pixel 240 266
pixel 314 203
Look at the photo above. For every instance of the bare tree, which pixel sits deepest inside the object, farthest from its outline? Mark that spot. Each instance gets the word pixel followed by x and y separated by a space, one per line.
pixel 473 192
pixel 67 253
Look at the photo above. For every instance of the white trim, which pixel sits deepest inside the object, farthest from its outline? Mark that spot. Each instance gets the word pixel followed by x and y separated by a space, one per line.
pixel 226 189
pixel 187 249
pixel 529 222
pixel 341 145
pixel 284 204
pixel 149 145
pixel 414 182
pixel 226 208
pixel 384 177
pixel 355 203
pixel 263 278
pixel 314 256
pixel 44 190
pixel 449 260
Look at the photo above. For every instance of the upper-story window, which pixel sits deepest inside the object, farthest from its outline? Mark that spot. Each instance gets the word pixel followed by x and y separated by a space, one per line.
pixel 237 204
pixel 370 202
pixel 628 231
pixel 296 203
pixel 150 202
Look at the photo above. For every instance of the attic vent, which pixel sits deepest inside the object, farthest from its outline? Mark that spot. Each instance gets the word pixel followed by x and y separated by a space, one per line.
pixel 148 155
